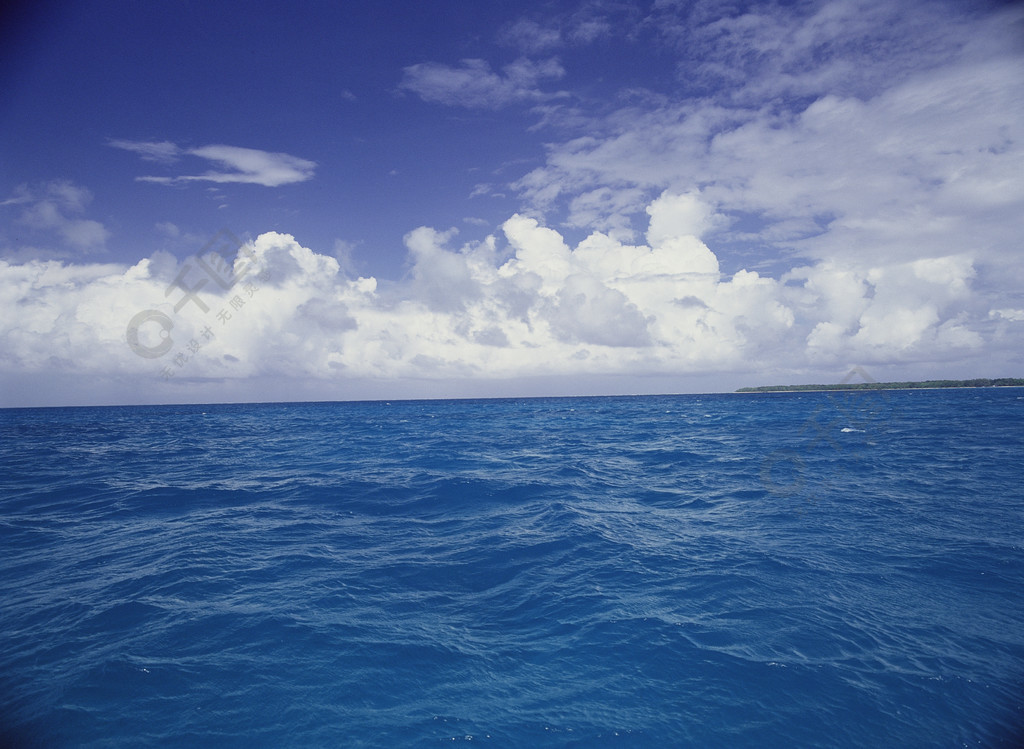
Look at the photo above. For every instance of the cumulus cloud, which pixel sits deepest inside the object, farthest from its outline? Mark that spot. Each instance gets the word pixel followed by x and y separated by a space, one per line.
pixel 896 309
pixel 587 311
pixel 826 130
pixel 910 171
pixel 242 165
pixel 473 84
pixel 518 304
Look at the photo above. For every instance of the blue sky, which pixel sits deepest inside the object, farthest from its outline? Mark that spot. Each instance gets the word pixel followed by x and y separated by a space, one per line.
pixel 438 200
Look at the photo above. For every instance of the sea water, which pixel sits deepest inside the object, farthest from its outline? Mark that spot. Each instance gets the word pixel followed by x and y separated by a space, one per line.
pixel 781 569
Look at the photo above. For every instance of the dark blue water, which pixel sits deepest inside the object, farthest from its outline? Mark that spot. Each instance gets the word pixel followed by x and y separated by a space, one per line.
pixel 784 570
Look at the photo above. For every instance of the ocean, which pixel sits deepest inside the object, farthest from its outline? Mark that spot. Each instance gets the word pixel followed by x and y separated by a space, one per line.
pixel 736 570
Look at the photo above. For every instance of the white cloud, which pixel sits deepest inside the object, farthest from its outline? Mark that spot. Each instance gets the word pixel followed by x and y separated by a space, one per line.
pixel 163 152
pixel 443 280
pixel 586 30
pixel 674 216
pixel 915 308
pixel 851 139
pixel 1014 315
pixel 474 84
pixel 872 151
pixel 55 208
pixel 587 311
pixel 842 47
pixel 240 165
pixel 526 306
pixel 900 327
pixel 605 209
pixel 169 229
pixel 530 36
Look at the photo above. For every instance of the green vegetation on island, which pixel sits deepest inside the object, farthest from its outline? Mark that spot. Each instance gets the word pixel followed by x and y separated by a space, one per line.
pixel 924 384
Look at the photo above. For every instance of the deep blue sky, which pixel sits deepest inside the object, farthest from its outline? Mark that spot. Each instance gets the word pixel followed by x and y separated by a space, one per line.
pixel 321 81
pixel 316 80
pixel 816 185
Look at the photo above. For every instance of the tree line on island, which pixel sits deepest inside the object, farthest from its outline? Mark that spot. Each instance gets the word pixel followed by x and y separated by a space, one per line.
pixel 980 382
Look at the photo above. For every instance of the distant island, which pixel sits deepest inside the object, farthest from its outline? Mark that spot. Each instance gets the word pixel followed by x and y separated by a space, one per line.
pixel 924 384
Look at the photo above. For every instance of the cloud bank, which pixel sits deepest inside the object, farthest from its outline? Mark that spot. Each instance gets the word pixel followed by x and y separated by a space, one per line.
pixel 519 304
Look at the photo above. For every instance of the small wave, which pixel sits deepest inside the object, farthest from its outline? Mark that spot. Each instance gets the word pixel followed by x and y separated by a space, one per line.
pixel 337 574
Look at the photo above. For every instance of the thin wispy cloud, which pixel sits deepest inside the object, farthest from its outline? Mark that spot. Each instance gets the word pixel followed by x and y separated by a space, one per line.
pixel 54 210
pixel 237 165
pixel 581 27
pixel 473 84
pixel 902 173
pixel 163 152
pixel 530 37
